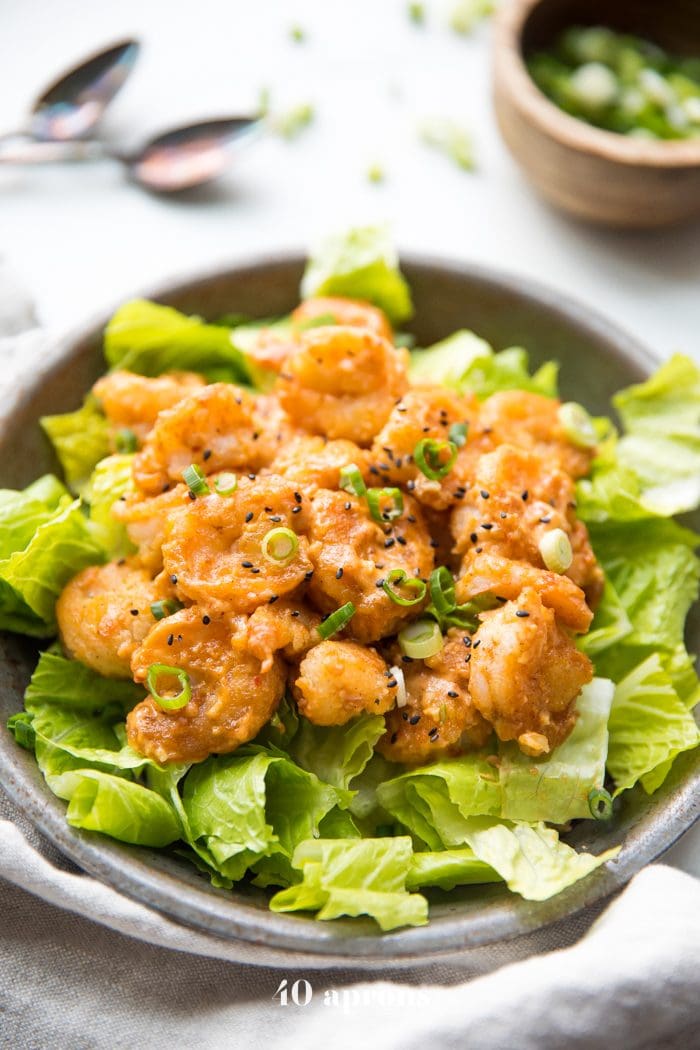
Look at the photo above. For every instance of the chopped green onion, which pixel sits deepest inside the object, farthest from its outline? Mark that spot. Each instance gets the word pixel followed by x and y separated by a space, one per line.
pixel 465 616
pixel 169 703
pixel 442 590
pixel 280 545
pixel 337 620
pixel 458 434
pixel 195 480
pixel 125 441
pixel 226 483
pixel 577 425
pixel 351 480
pixel 377 507
pixel 600 804
pixel 420 640
pixel 165 607
pixel 400 577
pixel 555 549
pixel 429 457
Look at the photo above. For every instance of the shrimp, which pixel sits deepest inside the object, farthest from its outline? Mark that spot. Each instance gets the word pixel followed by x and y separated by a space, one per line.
pixel 350 312
pixel 342 382
pixel 217 428
pixel 531 421
pixel 352 555
pixel 146 521
pixel 314 463
pixel 439 718
pixel 232 697
pixel 104 613
pixel 286 626
pixel 213 552
pixel 526 674
pixel 506 578
pixel 134 401
pixel 339 680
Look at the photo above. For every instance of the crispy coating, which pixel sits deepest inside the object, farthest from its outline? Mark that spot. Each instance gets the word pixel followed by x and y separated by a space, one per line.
pixel 423 412
pixel 526 674
pixel 214 550
pixel 286 626
pixel 232 696
pixel 314 463
pixel 351 554
pixel 350 312
pixel 439 718
pixel 217 428
pixel 339 680
pixel 134 401
pixel 146 519
pixel 103 614
pixel 342 382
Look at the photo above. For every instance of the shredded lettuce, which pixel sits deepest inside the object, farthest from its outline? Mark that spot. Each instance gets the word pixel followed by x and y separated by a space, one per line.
pixel 361 264
pixel 80 440
pixel 466 362
pixel 355 877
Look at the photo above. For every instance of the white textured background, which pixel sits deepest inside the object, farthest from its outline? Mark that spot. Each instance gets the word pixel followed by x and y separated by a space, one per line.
pixel 83 238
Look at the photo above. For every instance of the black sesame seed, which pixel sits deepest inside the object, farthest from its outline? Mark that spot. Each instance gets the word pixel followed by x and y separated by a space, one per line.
pixel 546 519
pixel 166 487
pixel 477 644
pixel 373 470
pixel 478 550
pixel 206 454
pixel 255 572
pixel 251 477
pixel 348 506
pixel 309 574
pixel 249 516
pixel 458 495
pixel 297 497
pixel 391 684
pixel 451 693
pixel 122 561
pixel 525 495
pixel 407 659
pixel 295 613
pixel 206 620
pixel 192 495
pixel 134 612
pixel 173 579
pixel 171 639
pixel 389 543
pixel 503 514
pixel 414 720
pixel 272 599
pixel 467 658
pixel 434 734
pixel 379 583
pixel 473 537
pixel 401 540
pixel 247 564
pixel 487 525
pixel 434 544
pixel 296 510
pixel 521 613
pixel 410 485
pixel 339 574
pixel 411 518
pixel 467 641
pixel 275 517
pixel 484 494
pixel 394 737
pixel 256 435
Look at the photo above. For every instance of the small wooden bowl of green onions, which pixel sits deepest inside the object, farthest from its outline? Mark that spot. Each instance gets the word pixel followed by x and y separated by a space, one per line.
pixel 599 102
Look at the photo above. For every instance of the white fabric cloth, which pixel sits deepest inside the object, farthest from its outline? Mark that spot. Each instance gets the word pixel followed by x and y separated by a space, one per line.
pixel 83 967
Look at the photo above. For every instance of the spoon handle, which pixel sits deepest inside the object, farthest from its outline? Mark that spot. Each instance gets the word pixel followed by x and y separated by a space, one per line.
pixel 18 151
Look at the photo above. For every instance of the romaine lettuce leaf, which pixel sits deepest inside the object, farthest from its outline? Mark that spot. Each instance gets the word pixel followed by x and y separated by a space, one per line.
pixel 649 725
pixel 111 479
pixel 610 624
pixel 355 877
pixel 361 264
pixel 80 439
pixel 448 868
pixel 21 513
pixel 448 361
pixel 336 754
pixel 150 339
pixel 32 579
pixel 57 680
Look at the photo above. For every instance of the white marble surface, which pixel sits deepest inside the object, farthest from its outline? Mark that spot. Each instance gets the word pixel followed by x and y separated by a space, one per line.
pixel 83 238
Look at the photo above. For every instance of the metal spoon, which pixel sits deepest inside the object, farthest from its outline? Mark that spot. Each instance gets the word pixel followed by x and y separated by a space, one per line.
pixel 175 160
pixel 71 106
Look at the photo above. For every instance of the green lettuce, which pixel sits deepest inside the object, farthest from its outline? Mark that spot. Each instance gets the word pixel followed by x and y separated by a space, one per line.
pixel 336 754
pixel 110 480
pixel 21 513
pixel 610 624
pixel 80 439
pixel 355 877
pixel 468 363
pixel 448 868
pixel 361 264
pixel 58 680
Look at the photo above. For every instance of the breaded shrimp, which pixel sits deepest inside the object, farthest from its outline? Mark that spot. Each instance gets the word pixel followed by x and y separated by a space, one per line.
pixel 506 578
pixel 314 463
pixel 287 626
pixel 232 697
pixel 342 382
pixel 531 421
pixel 439 718
pixel 134 401
pixel 104 613
pixel 146 519
pixel 214 551
pixel 526 674
pixel 352 554
pixel 339 680
pixel 217 428
pixel 351 312
pixel 424 412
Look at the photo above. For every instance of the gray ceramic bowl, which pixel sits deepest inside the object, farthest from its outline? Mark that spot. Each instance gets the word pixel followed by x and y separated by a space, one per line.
pixel 596 360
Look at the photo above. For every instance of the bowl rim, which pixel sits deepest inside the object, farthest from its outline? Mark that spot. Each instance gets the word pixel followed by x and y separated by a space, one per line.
pixel 512 75
pixel 127 869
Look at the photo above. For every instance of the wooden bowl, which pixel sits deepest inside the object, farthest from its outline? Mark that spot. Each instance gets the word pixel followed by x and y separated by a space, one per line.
pixel 596 175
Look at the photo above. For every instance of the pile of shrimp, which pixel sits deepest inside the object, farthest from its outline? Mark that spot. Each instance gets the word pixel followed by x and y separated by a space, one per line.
pixel 244 628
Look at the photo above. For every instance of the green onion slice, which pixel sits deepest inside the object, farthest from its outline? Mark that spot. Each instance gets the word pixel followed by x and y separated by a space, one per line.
pixel 226 483
pixel 377 502
pixel 165 607
pixel 280 545
pixel 555 548
pixel 351 480
pixel 195 480
pixel 600 804
pixel 458 434
pixel 577 425
pixel 169 703
pixel 442 590
pixel 337 620
pixel 125 441
pixel 400 577
pixel 429 456
pixel 420 639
